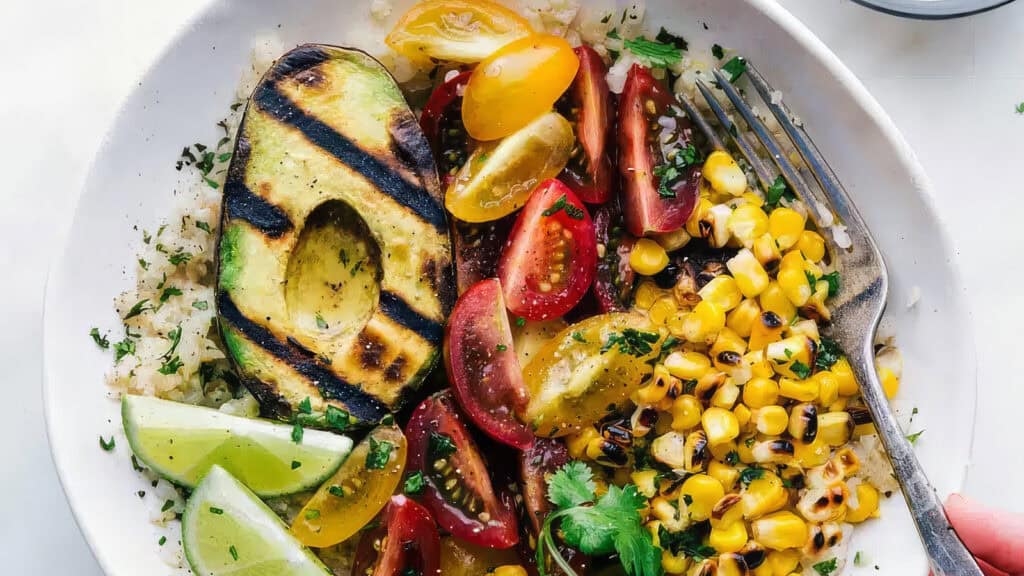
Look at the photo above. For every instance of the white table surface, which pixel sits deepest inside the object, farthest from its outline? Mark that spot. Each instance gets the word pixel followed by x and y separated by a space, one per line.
pixel 951 87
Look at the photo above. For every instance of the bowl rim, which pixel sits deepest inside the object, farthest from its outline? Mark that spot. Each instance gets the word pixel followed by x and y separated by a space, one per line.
pixel 933 9
pixel 770 9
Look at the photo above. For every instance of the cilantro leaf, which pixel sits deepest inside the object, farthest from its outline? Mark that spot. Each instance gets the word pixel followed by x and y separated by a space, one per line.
pixel 825 568
pixel 572 211
pixel 777 191
pixel 735 68
pixel 666 37
pixel 123 348
pixel 337 418
pixel 829 353
pixel 1020 108
pixel 688 542
pixel 653 53
pixel 414 483
pixel 717 51
pixel 833 283
pixel 750 474
pixel 100 341
pixel 571 485
pixel 912 438
pixel 380 453
pixel 137 309
pixel 631 341
pixel 670 173
pixel 802 371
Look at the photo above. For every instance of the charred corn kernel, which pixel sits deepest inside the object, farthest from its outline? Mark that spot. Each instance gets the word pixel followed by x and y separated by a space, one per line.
pixel 724 473
pixel 727 341
pixel 824 476
pixel 718 220
pixel 783 562
pixel 720 425
pixel 686 411
pixel 811 454
pixel 646 482
pixel 774 299
pixel 803 422
pixel 721 451
pixel 693 223
pixel 662 309
pixel 704 321
pixel 748 223
pixel 812 245
pixel 766 330
pixel 764 495
pixel 750 275
pixel 793 278
pixel 801 390
pixel 780 531
pixel 695 451
pixel 687 365
pixel 743 415
pixel 723 292
pixel 668 513
pixel 647 257
pixel 793 349
pixel 864 506
pixel 815 306
pixel 890 383
pixel 510 570
pixel 844 374
pixel 759 366
pixel 727 511
pixel 807 328
pixel 847 461
pixel 704 492
pixel 732 564
pixel 744 448
pixel 724 174
pixel 669 449
pixel 672 241
pixel 828 387
pixel 708 385
pixel 577 443
pixel 726 396
pixel 767 251
pixel 657 387
pixel 646 294
pixel 835 428
pixel 728 539
pixel 741 319
pixel 785 226
pixel 771 420
pixel 760 392
pixel 824 504
pixel 821 537
pixel 674 563
pixel 774 451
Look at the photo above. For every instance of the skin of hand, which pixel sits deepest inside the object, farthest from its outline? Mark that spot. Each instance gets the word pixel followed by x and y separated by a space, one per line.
pixel 995 537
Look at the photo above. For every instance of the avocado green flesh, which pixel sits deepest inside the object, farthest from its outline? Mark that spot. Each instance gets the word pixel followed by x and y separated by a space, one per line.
pixel 334 260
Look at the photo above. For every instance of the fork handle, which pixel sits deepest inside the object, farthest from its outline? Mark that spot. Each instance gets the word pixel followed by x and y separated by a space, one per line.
pixel 947 554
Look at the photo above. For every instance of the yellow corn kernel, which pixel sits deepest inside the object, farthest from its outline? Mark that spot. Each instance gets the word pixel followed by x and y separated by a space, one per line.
pixel 743 415
pixel 672 241
pixel 816 307
pixel 774 299
pixel 807 328
pixel 674 563
pixel 647 257
pixel 793 278
pixel 704 492
pixel 812 454
pixel 724 473
pixel 839 405
pixel 767 251
pixel 595 449
pixel 764 495
pixel 763 569
pixel 824 504
pixel 890 382
pixel 760 392
pixel 722 291
pixel 741 319
pixel 717 221
pixel 686 411
pixel 646 482
pixel 721 451
pixel 785 226
pixel 844 374
pixel 727 511
pixel 646 294
pixel 726 395
pixel 687 365
pixel 759 366
pixel 785 354
pixel 669 449
pixel 800 390
pixel 747 223
pixel 703 322
pixel 724 174
pixel 728 539
pixel 767 328
pixel 745 448
pixel 662 309
pixel 771 420
pixel 577 443
pixel 828 387
pixel 751 277
pixel 834 428
pixel 812 245
pixel 783 562
pixel 668 512
pixel 865 430
pixel 657 387
pixel 780 531
pixel 693 223
pixel 866 504
pixel 510 570
pixel 720 425
pixel 847 461
pixel 813 268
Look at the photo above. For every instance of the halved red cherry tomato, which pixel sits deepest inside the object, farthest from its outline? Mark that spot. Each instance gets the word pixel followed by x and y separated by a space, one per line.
pixel 441 122
pixel 407 543
pixel 590 173
pixel 613 281
pixel 477 249
pixel 551 254
pixel 482 366
pixel 644 101
pixel 457 488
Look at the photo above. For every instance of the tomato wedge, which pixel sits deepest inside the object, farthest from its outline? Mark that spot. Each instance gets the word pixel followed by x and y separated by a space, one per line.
pixel 482 365
pixel 590 173
pixel 457 488
pixel 643 108
pixel 549 260
pixel 407 543
pixel 456 30
pixel 477 249
pixel 613 280
pixel 441 122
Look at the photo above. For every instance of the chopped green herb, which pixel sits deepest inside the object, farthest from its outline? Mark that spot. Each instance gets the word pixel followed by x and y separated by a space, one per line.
pixel 306 406
pixel 829 353
pixel 501 347
pixel 912 438
pixel 688 542
pixel 572 211
pixel 203 226
pixel 171 366
pixel 201 305
pixel 337 491
pixel 670 173
pixel 343 257
pixel 520 321
pixel 666 37
pixel 167 506
pixel 107 445
pixel 179 257
pixel 337 418
pixel 833 282
pixel 732 458
pixel 1020 108
pixel 802 371
pixel 143 264
pixel 297 432
pixel 162 541
pixel 735 68
pixel 379 454
pixel 100 341
pixel 414 483
pixel 717 51
pixel 296 464
pixel 750 474
pixel 653 53
pixel 776 192
pixel 146 237
pixel 578 336
pixel 169 292
pixel 174 335
pixel 810 279
pixel 123 348
pixel 858 558
pixel 224 157
pixel 139 308
pixel 613 34
pixel 440 445
pixel 320 322
pixel 234 552
pixel 312 514
pixel 631 341
pixel 825 568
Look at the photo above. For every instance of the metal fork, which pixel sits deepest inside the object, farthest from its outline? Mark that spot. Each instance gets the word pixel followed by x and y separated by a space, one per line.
pixel 857 308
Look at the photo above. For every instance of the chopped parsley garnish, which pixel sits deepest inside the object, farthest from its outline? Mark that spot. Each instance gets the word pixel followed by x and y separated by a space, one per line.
pixel 750 474
pixel 596 526
pixel 312 514
pixel 653 53
pixel 574 212
pixel 825 568
pixel 631 341
pixel 203 226
pixel 171 366
pixel 179 257
pixel 297 432
pixel 296 464
pixel 1020 108
pixel 677 41
pixel 688 542
pixel 107 445
pixel 167 506
pixel 811 279
pixel 234 552
pixel 912 438
pixel 414 483
pixel 441 445
pixel 735 68
pixel 732 458
pixel 224 157
pixel 802 371
pixel 379 454
pixel 169 292
pixel 337 418
pixel 139 308
pixel 201 305
pixel 174 335
pixel 501 347
pixel 337 491
pixel 777 191
pixel 833 282
pixel 343 257
pixel 674 170
pixel 717 51
pixel 520 321
pixel 100 341
pixel 578 336
pixel 143 264
pixel 829 353
pixel 858 558
pixel 320 322
pixel 162 541
pixel 306 406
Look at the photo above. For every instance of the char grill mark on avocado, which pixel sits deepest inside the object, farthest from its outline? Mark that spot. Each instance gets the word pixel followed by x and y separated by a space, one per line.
pixel 359 404
pixel 400 311
pixel 276 105
pixel 243 204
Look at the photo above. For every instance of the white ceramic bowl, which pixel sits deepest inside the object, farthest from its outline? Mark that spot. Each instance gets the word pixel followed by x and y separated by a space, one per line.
pixel 933 9
pixel 192 84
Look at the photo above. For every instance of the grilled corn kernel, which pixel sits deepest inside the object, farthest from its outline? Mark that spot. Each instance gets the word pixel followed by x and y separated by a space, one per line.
pixel 668 513
pixel 646 294
pixel 669 449
pixel 687 365
pixel 774 299
pixel 807 328
pixel 646 482
pixel 577 443
pixel 724 473
pixel 674 563
pixel 751 277
pixel 835 428
pixel 825 475
pixel 743 415
pixel 741 319
pixel 864 506
pixel 686 411
pixel 764 495
pixel 724 174
pixel 744 447
pixel 793 278
pixel 718 220
pixel 708 385
pixel 847 461
pixel 747 223
pixel 720 425
pixel 780 531
pixel 695 451
pixel 723 292
pixel 693 223
pixel 812 245
pixel 785 226
pixel 890 382
pixel 672 241
pixel 844 374
pixel 607 453
pixel 815 307
pixel 647 257
pixel 760 392
pixel 783 562
pixel 727 511
pixel 727 341
pixel 828 387
pixel 767 252
pixel 803 422
pixel 801 390
pixel 771 420
pixel 721 451
pixel 786 352
pixel 703 322
pixel 701 492
pixel 827 504
pixel 772 451
pixel 728 539
pixel 812 454
pixel 657 387
pixel 662 309
pixel 759 366
pixel 821 537
pixel 726 396
pixel 766 329
pixel 732 564
pixel 510 570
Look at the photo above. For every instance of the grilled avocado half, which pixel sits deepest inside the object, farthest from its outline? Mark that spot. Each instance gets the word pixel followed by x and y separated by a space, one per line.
pixel 334 275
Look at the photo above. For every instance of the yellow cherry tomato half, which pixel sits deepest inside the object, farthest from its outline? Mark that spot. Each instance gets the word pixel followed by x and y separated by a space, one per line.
pixel 516 84
pixel 456 30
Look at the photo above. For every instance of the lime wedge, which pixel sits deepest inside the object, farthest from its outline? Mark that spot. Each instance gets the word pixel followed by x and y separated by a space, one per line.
pixel 182 442
pixel 227 531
